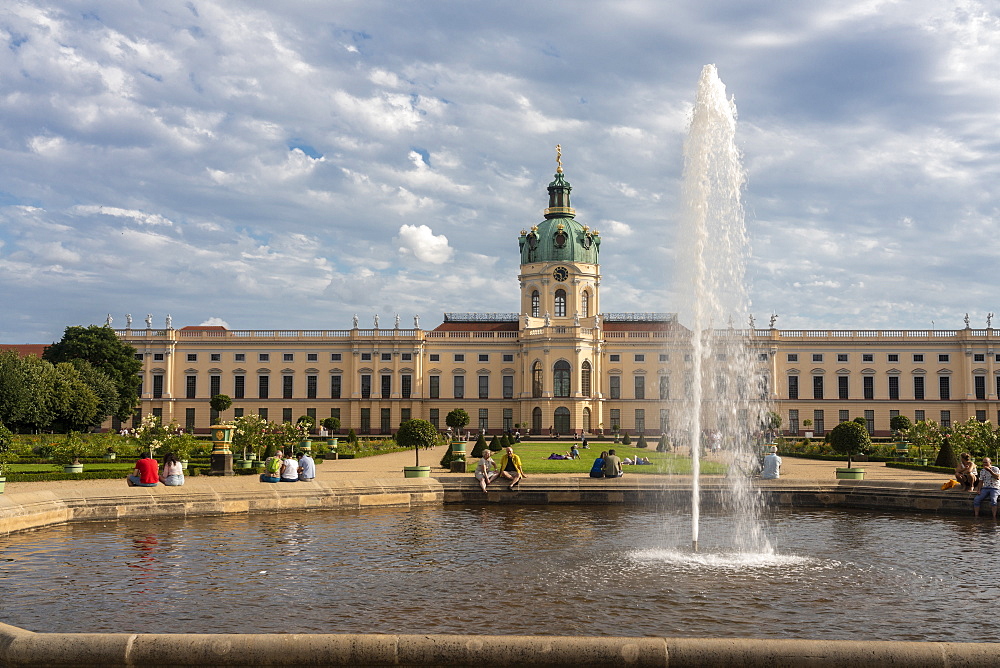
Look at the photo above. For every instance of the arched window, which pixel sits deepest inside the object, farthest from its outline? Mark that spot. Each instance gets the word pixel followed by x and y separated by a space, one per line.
pixel 560 378
pixel 585 379
pixel 560 303
pixel 536 379
pixel 560 420
pixel 585 304
pixel 536 305
pixel 536 420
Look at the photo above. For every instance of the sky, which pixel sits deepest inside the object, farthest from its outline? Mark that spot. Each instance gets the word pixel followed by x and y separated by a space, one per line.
pixel 269 165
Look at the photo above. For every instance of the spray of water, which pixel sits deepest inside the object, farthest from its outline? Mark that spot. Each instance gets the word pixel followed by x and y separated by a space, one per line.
pixel 723 402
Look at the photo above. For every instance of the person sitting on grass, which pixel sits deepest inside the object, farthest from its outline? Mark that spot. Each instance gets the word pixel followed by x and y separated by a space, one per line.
pixel 146 472
pixel 510 467
pixel 574 452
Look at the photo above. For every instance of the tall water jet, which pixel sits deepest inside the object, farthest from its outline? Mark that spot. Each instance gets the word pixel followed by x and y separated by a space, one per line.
pixel 722 407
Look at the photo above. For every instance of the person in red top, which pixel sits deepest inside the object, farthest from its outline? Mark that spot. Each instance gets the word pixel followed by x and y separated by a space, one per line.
pixel 146 473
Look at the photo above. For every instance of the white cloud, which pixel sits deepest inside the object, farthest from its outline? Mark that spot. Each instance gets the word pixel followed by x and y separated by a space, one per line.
pixel 214 322
pixel 420 242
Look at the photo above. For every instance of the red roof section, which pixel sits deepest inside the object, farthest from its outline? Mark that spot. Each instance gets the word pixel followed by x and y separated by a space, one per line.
pixel 204 328
pixel 25 349
pixel 477 327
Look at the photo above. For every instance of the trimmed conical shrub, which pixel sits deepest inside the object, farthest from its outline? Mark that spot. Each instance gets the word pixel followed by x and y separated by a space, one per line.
pixel 946 455
pixel 626 439
pixel 642 442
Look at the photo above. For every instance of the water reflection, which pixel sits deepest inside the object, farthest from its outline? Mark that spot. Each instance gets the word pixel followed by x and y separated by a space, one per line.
pixel 589 570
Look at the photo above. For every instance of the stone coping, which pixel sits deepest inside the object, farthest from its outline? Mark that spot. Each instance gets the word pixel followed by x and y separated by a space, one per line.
pixel 218 496
pixel 19 647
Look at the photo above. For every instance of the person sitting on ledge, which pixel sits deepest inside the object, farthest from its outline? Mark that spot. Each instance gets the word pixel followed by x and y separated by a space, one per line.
pixel 289 469
pixel 989 475
pixel 173 474
pixel 307 467
pixel 272 469
pixel 510 467
pixel 612 465
pixel 597 470
pixel 146 472
pixel 965 472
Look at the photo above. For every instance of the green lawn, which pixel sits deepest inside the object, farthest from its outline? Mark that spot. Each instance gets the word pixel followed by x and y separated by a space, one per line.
pixel 533 459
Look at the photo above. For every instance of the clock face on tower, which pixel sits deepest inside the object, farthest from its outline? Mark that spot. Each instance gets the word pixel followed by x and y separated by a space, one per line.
pixel 560 274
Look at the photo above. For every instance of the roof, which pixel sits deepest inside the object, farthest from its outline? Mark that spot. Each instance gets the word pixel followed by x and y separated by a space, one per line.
pixel 204 328
pixel 25 349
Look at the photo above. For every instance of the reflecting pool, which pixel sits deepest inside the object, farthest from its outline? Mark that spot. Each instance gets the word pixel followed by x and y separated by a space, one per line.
pixel 584 570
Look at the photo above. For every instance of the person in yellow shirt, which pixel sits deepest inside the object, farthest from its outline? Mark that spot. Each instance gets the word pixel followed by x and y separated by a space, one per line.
pixel 510 467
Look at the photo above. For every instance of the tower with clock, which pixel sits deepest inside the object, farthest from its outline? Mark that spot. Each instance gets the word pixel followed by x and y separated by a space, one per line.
pixel 560 307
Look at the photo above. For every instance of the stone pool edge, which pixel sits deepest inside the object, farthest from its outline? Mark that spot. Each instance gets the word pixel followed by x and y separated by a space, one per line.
pixel 65 504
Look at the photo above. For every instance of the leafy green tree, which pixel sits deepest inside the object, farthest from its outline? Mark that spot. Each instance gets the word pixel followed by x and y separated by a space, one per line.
pixel 75 406
pixel 850 438
pixel 861 421
pixel 417 434
pixel 332 424
pixel 900 424
pixel 925 434
pixel 457 419
pixel 105 351
pixel 103 386
pixel 220 403
pixel 975 437
pixel 250 433
pixel 307 420
pixel 25 391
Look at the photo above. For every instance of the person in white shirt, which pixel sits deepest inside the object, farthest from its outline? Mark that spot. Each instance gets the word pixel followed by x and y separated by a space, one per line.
pixel 989 476
pixel 289 469
pixel 307 467
pixel 772 465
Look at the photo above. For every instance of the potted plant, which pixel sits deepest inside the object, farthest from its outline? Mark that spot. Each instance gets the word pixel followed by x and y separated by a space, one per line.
pixel 332 426
pixel 807 423
pixel 220 403
pixel 457 419
pixel 305 424
pixel 850 438
pixel 417 434
pixel 69 451
pixel 614 428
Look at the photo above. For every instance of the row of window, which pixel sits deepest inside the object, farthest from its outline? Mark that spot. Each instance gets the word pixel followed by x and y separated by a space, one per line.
pixel 868 387
pixel 890 357
pixel 819 426
pixel 560 304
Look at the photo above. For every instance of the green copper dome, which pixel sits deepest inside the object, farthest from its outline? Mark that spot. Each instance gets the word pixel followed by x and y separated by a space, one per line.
pixel 559 238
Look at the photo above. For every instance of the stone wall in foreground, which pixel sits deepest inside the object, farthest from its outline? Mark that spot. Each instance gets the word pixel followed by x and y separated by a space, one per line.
pixel 92 650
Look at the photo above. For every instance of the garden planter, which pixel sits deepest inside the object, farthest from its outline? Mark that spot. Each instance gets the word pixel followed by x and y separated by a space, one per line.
pixel 306 445
pixel 417 472
pixel 244 464
pixel 110 457
pixel 853 473
pixel 3 482
pixel 184 464
pixel 72 468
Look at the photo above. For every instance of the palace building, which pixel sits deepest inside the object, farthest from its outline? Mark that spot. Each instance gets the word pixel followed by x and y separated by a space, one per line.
pixel 557 362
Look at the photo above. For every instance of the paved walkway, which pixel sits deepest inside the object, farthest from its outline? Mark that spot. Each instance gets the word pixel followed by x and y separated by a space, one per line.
pixel 391 466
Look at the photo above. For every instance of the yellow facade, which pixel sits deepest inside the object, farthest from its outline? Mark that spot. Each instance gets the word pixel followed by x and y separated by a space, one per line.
pixel 558 363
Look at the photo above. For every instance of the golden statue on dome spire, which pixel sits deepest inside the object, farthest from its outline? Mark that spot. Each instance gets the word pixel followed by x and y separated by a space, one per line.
pixel 559 159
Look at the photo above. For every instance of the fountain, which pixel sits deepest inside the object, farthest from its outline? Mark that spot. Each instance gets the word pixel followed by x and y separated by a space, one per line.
pixel 722 405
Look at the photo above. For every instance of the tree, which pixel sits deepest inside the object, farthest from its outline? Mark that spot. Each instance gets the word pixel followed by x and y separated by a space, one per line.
pixel 220 403
pixel 25 391
pixel 308 421
pixel 249 433
pixel 642 442
pixel 417 434
pixel 946 455
pixel 75 406
pixel 900 424
pixel 926 434
pixel 332 424
pixel 850 438
pixel 457 419
pixel 105 351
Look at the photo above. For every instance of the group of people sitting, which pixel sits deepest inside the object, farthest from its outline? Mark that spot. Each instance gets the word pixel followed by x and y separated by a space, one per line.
pixel 147 472
pixel 285 468
pixel 574 453
pixel 985 481
pixel 487 470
